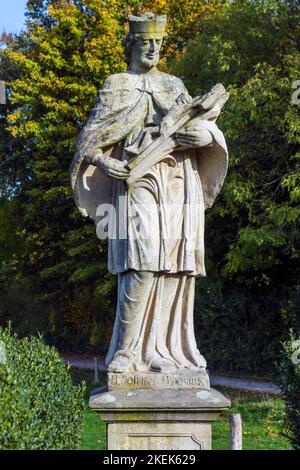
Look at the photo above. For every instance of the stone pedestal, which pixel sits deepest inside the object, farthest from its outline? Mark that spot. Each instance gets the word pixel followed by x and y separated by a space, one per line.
pixel 158 419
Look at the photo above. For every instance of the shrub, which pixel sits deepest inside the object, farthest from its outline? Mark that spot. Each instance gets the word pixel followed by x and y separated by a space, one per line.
pixel 40 407
pixel 289 382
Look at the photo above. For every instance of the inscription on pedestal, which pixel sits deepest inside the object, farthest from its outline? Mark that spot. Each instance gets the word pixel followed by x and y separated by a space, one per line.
pixel 163 441
pixel 158 381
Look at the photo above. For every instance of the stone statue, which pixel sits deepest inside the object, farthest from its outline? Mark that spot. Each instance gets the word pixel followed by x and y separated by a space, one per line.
pixel 152 208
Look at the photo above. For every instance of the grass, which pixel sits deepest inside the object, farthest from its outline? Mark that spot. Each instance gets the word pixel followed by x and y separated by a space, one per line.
pixel 262 417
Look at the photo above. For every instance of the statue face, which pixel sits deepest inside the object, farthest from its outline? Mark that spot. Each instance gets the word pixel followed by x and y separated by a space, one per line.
pixel 145 52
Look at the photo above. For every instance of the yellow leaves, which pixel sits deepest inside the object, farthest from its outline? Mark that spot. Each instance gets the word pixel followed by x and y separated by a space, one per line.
pixel 16 57
pixel 23 62
pixel 64 11
pixel 58 190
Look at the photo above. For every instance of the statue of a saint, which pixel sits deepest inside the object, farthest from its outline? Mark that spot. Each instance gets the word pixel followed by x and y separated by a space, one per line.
pixel 156 233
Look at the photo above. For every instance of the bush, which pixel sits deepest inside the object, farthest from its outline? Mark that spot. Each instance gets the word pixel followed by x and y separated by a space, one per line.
pixel 40 407
pixel 289 382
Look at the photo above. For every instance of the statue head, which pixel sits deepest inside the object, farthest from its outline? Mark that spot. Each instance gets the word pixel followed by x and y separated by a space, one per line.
pixel 144 40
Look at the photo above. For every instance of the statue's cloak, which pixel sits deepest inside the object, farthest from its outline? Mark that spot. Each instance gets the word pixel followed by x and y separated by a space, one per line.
pixel 183 184
pixel 117 118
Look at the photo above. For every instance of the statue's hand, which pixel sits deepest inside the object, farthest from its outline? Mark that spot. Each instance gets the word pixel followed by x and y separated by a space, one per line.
pixel 111 166
pixel 193 136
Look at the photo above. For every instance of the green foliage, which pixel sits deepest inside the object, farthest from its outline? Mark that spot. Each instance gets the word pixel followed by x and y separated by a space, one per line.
pixel 52 259
pixel 262 417
pixel 40 408
pixel 52 75
pixel 262 420
pixel 252 48
pixel 289 382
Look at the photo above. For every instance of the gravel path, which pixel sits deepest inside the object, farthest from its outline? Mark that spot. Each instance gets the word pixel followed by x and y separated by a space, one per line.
pixel 258 386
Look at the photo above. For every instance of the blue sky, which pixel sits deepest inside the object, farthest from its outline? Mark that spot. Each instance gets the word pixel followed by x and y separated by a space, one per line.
pixel 12 15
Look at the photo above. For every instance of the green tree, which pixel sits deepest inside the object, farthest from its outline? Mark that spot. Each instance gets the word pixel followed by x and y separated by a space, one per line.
pixel 40 407
pixel 289 382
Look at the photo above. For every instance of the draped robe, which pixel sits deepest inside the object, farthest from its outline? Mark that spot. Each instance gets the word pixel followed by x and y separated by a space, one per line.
pixel 157 247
